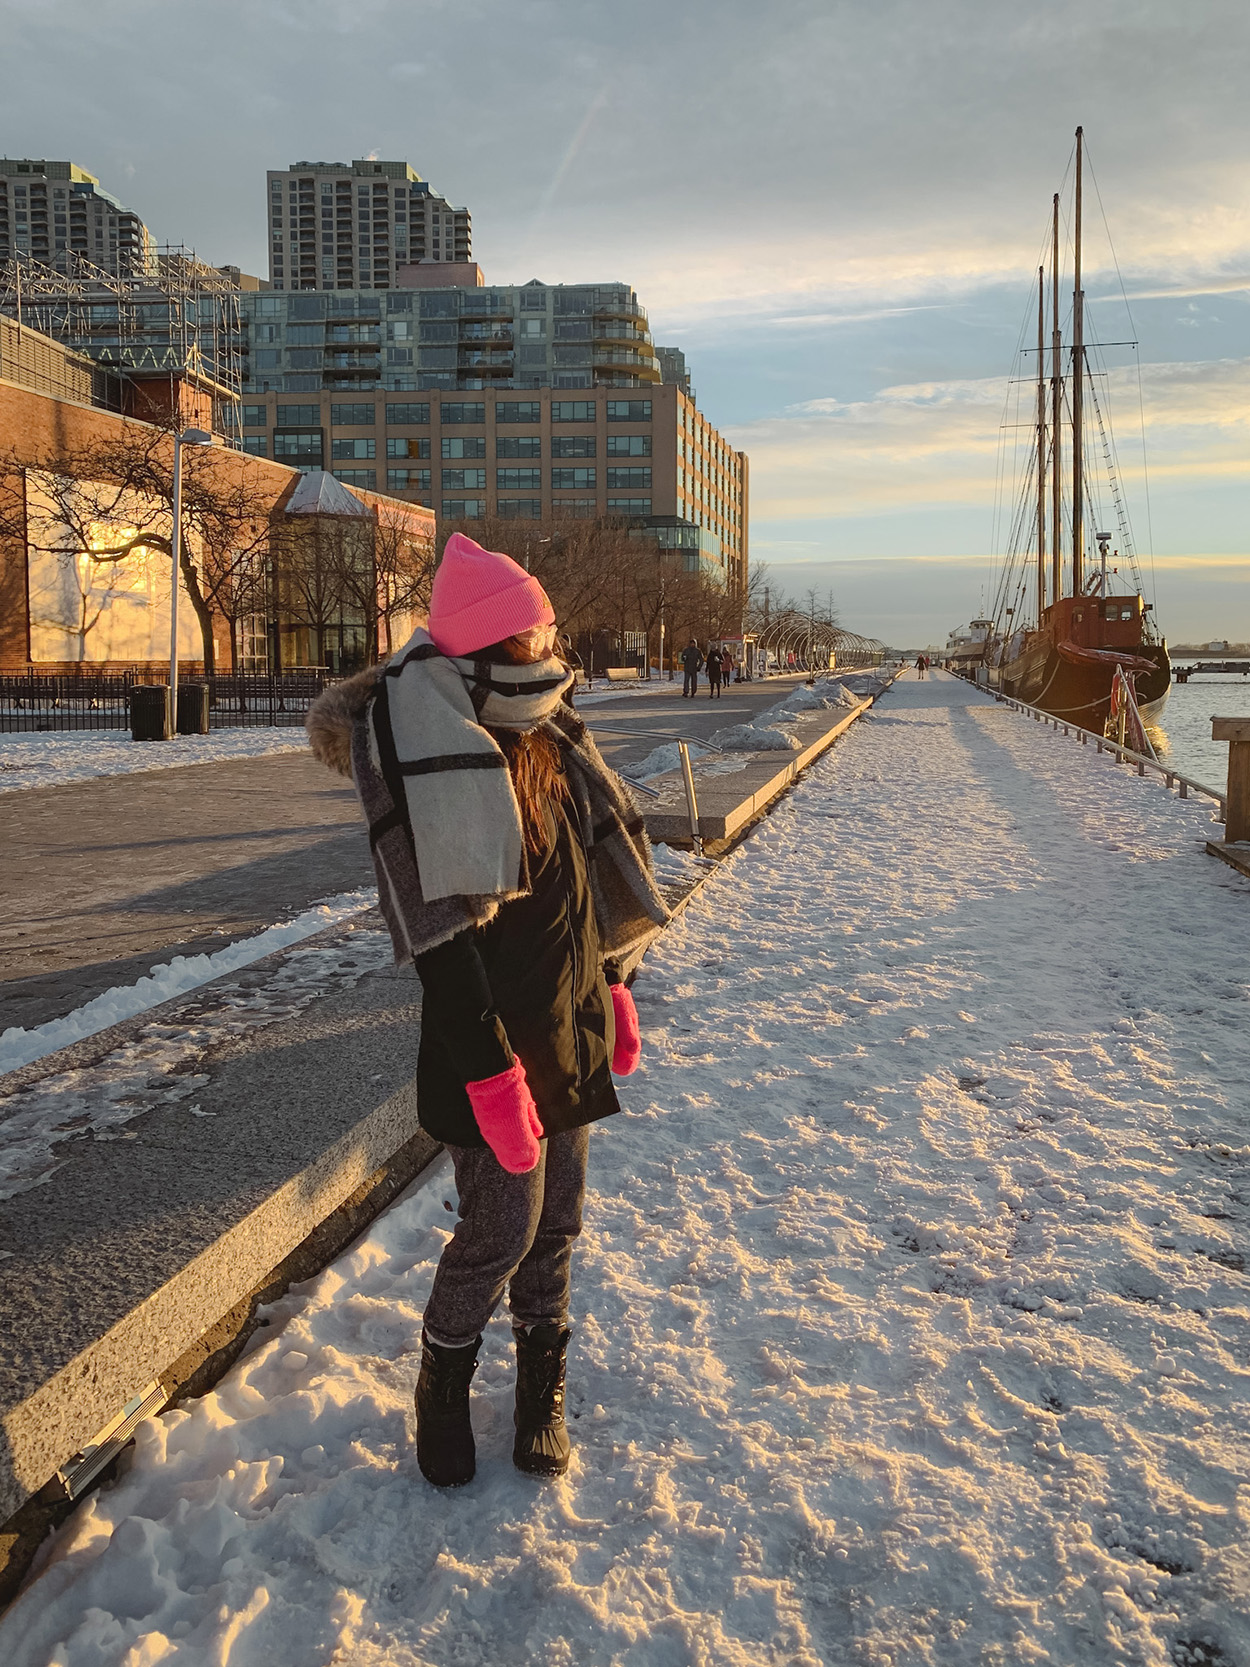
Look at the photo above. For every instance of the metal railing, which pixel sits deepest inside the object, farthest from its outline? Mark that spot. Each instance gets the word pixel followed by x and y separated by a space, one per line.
pixel 684 744
pixel 35 702
pixel 1121 753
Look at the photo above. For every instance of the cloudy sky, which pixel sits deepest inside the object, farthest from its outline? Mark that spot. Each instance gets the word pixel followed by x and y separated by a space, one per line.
pixel 835 206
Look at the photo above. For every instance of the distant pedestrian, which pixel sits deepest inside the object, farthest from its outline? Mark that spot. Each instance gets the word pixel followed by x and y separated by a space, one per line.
pixel 691 661
pixel 512 887
pixel 727 666
pixel 921 663
pixel 714 668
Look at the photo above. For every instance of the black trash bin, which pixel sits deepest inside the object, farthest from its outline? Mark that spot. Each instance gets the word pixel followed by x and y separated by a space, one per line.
pixel 193 708
pixel 149 712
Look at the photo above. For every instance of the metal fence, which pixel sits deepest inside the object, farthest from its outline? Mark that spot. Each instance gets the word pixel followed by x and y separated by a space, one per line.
pixel 34 701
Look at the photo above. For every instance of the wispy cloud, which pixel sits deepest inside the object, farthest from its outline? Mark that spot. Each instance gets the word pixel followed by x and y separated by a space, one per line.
pixel 933 445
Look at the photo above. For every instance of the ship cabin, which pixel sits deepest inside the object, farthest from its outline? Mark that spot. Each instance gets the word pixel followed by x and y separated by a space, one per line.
pixel 1116 621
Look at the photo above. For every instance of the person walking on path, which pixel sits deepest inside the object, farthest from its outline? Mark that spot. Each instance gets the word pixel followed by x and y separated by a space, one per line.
pixel 514 872
pixel 714 667
pixel 921 663
pixel 691 660
pixel 727 666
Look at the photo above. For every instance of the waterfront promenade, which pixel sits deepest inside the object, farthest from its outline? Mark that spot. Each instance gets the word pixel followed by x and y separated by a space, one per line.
pixel 911 1303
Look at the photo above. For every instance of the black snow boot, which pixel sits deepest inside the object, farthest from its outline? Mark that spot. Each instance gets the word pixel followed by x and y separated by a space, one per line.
pixel 542 1441
pixel 445 1450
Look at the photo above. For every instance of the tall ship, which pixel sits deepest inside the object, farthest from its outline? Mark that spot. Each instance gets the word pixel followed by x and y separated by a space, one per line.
pixel 1065 616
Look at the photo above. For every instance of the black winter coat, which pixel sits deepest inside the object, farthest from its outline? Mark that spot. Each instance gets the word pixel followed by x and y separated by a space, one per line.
pixel 532 982
pixel 691 659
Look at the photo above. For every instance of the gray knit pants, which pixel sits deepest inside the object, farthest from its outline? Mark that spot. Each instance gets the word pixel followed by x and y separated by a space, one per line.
pixel 514 1230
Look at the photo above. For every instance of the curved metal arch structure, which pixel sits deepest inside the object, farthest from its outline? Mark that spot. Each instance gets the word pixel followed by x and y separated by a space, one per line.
pixel 795 639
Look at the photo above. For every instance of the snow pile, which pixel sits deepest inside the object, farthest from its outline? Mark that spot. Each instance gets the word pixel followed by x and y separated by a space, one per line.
pixel 755 737
pixel 53 759
pixel 658 762
pixel 172 978
pixel 912 1294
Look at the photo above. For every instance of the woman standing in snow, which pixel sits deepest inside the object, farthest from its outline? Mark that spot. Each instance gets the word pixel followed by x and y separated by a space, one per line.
pixel 513 871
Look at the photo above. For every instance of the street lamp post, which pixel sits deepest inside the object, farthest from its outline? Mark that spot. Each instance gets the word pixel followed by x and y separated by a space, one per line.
pixel 190 437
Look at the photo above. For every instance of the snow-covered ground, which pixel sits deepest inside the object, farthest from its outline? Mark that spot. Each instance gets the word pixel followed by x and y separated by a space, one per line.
pixel 913 1320
pixel 57 757
pixel 174 978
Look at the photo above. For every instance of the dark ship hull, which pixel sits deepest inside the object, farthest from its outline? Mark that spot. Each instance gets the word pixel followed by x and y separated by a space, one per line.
pixel 1079 690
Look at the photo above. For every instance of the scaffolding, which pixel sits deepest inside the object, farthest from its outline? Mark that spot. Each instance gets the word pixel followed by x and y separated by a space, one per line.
pixel 181 321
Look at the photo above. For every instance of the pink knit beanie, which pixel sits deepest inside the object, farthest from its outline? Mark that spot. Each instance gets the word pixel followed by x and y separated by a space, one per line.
pixel 480 597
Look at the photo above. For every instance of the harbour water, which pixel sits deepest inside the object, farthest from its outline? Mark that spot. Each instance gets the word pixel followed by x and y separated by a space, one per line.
pixel 1183 734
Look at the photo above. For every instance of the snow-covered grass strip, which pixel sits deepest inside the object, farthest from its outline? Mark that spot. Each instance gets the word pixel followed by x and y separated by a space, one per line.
pixel 55 758
pixel 174 978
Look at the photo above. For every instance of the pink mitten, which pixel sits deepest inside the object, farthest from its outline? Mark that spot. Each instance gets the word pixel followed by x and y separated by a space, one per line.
pixel 628 1049
pixel 508 1118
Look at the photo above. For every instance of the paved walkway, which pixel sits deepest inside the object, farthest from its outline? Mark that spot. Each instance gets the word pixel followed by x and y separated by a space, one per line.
pixel 102 879
pixel 739 703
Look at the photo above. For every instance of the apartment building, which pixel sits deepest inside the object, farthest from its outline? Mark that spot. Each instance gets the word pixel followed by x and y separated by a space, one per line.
pixel 646 455
pixel 351 225
pixel 51 210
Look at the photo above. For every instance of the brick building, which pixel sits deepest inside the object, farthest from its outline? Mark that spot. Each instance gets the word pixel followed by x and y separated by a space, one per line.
pixel 61 607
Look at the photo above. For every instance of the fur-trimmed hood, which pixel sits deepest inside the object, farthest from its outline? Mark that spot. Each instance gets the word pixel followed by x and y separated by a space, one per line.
pixel 331 716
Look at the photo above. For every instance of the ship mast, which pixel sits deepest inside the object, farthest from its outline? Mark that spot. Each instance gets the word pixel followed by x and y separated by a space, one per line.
pixel 1056 411
pixel 1041 445
pixel 1078 381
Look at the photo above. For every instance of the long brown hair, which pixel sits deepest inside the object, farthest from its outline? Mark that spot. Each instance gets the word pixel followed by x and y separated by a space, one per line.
pixel 534 759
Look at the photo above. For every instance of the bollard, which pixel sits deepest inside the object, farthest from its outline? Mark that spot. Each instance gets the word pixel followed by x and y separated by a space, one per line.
pixel 149 712
pixel 1236 731
pixel 692 804
pixel 193 708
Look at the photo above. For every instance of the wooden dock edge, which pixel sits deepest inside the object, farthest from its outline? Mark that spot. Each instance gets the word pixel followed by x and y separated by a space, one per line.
pixel 1236 855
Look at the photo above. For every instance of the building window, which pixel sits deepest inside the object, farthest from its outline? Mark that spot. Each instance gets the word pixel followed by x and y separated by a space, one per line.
pixel 518 411
pixel 520 509
pixel 353 416
pixel 572 410
pixel 565 479
pixel 399 446
pixel 357 477
pixel 629 445
pixel 256 445
pixel 298 416
pixel 408 480
pixel 463 509
pixel 629 506
pixel 368 448
pixel 618 478
pixel 573 445
pixel 470 445
pixel 397 416
pixel 462 413
pixel 574 509
pixel 254 417
pixel 629 410
pixel 520 445
pixel 299 448
pixel 518 480
pixel 464 480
